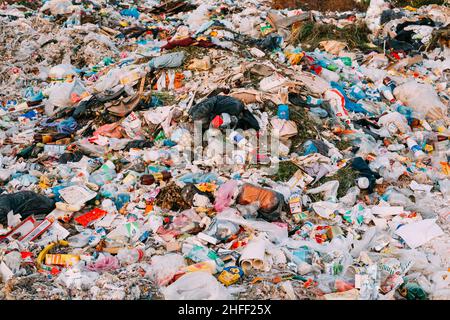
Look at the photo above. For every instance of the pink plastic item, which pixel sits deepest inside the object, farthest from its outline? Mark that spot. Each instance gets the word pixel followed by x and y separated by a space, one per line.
pixel 225 195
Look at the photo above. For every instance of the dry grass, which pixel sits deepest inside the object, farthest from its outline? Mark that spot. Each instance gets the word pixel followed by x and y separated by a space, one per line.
pixel 354 35
pixel 417 3
pixel 321 5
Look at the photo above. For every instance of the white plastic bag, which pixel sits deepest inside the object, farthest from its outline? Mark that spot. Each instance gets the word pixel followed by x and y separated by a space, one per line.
pixel 422 98
pixel 60 95
pixel 61 71
pixel 164 268
pixel 198 285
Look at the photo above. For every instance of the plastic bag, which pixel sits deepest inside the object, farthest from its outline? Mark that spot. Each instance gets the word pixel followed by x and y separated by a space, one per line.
pixel 225 195
pixel 171 60
pixel 276 233
pixel 394 119
pixel 164 268
pixel 329 190
pixel 350 197
pixel 271 202
pixel 198 285
pixel 58 7
pixel 373 14
pixel 422 98
pixel 64 95
pixel 206 110
pixel 25 203
pixel 197 17
pixel 61 71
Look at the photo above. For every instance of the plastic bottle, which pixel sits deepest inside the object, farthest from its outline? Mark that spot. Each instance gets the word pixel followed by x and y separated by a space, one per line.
pixel 237 138
pixel 67 207
pixel 407 112
pixel 80 240
pixel 156 155
pixel 13 260
pixel 321 113
pixel 357 93
pixel 47 138
pixel 313 101
pixel 415 148
pixel 121 200
pixel 387 93
pixel 148 179
pixel 109 191
pixel 129 256
pixel 109 206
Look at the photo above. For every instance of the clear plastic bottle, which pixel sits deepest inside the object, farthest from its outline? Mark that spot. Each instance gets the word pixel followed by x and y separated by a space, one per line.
pixel 415 148
pixel 387 93
pixel 109 191
pixel 129 256
pixel 237 138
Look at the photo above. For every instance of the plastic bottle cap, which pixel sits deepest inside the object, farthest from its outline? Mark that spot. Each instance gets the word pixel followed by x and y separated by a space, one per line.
pixel 217 121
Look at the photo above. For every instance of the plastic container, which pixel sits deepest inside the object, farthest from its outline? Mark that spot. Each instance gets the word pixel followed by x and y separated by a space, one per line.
pixel 313 101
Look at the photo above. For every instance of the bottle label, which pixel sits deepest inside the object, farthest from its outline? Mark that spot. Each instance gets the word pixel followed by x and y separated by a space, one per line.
pixel 141 254
pixel 158 176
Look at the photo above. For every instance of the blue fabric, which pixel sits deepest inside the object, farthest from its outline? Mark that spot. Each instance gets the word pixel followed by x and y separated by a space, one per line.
pixel 132 12
pixel 349 105
pixel 68 125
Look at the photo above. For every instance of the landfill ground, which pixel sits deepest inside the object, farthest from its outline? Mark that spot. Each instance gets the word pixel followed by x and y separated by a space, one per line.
pixel 237 149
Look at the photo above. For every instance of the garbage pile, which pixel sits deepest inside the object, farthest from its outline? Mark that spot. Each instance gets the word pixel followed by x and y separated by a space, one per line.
pixel 194 150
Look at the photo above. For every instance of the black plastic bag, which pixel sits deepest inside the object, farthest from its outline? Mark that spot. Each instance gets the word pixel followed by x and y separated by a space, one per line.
pixel 206 110
pixel 25 203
